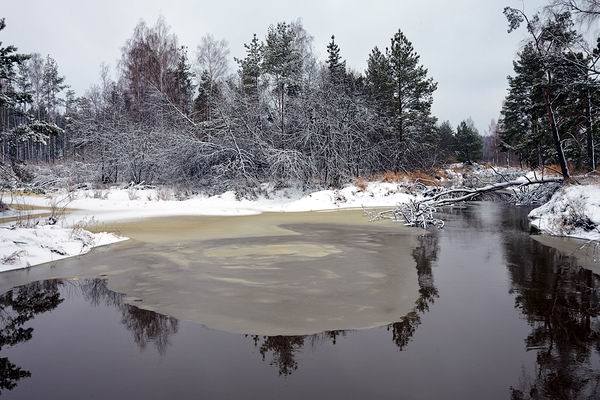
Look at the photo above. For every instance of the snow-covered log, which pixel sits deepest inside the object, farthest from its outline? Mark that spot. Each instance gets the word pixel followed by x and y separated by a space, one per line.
pixel 420 213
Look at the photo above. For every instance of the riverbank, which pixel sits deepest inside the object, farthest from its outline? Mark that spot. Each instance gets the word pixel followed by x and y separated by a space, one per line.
pixel 573 211
pixel 116 203
pixel 22 247
pixel 36 243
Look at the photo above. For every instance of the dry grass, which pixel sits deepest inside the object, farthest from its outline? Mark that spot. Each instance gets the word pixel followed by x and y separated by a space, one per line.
pixel 132 193
pixel 361 184
pixel 555 168
pixel 429 177
pixel 100 194
pixel 58 209
pixel 164 194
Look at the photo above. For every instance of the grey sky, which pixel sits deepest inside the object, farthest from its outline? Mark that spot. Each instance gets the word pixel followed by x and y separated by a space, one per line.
pixel 464 43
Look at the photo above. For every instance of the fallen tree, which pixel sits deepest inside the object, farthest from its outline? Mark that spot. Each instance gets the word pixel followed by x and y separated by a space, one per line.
pixel 421 213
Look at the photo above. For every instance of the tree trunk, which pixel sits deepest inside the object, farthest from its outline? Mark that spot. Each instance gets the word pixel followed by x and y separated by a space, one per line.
pixel 282 110
pixel 564 169
pixel 590 134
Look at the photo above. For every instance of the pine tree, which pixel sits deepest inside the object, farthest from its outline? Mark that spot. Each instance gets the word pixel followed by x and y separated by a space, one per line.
pixel 70 116
pixel 379 81
pixel 251 66
pixel 23 83
pixel 52 85
pixel 413 90
pixel 16 125
pixel 550 39
pixel 283 61
pixel 523 128
pixel 35 72
pixel 402 94
pixel 548 115
pixel 213 63
pixel 10 60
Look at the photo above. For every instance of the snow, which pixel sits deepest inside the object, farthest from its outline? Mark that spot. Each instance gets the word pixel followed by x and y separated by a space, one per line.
pixel 573 211
pixel 120 204
pixel 24 247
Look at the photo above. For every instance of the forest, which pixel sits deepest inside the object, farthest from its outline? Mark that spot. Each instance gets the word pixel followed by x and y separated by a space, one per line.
pixel 168 115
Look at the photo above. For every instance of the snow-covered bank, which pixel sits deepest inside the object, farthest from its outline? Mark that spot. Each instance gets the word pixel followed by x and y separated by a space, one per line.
pixel 23 247
pixel 118 204
pixel 572 211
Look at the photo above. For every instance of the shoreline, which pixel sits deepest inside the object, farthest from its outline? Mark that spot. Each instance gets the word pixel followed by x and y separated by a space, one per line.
pixel 23 247
pixel 89 207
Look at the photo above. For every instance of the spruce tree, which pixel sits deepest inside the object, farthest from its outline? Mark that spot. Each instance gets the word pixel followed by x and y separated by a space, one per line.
pixel 208 94
pixel 335 64
pixel 468 143
pixel 183 87
pixel 446 140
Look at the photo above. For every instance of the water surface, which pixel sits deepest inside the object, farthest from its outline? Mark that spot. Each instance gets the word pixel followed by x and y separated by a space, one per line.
pixel 478 310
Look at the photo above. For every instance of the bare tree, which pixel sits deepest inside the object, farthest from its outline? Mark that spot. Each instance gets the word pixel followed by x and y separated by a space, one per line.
pixel 588 11
pixel 212 68
pixel 212 56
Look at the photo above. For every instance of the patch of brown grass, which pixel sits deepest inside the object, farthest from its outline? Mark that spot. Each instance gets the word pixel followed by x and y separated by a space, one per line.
pixel 361 184
pixel 555 168
pixel 390 176
pixel 430 177
pixel 441 174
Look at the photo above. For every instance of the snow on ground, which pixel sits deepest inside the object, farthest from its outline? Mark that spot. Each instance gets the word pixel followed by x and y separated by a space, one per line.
pixel 24 247
pixel 21 247
pixel 118 204
pixel 572 211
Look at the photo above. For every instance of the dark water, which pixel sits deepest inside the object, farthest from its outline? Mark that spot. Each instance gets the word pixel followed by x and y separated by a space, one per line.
pixel 499 316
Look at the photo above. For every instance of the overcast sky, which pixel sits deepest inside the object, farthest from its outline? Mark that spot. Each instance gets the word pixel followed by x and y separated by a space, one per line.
pixel 463 43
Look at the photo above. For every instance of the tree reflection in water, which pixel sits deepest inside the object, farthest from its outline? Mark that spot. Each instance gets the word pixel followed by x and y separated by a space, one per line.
pixel 22 304
pixel 146 326
pixel 561 303
pixel 425 254
pixel 283 349
pixel 17 307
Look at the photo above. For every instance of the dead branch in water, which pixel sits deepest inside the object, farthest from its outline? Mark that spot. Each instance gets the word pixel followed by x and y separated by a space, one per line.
pixel 420 213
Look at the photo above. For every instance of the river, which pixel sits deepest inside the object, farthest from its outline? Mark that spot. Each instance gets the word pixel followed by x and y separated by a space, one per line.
pixel 306 305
